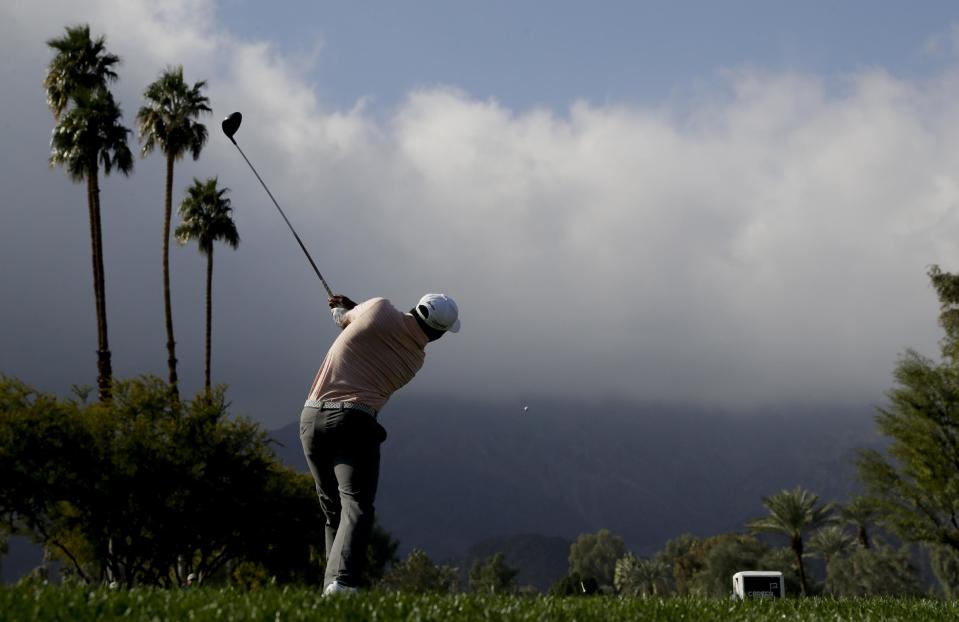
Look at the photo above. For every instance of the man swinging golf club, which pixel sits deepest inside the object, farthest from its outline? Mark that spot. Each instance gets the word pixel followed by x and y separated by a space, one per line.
pixel 379 350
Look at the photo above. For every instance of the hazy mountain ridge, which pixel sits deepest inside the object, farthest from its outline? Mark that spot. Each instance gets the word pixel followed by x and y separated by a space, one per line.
pixel 460 479
pixel 457 473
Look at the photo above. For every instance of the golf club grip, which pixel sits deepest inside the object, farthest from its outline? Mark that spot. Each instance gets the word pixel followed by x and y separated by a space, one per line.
pixel 285 219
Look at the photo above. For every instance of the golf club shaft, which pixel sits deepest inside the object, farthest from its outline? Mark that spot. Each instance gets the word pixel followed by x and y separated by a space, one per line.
pixel 287 220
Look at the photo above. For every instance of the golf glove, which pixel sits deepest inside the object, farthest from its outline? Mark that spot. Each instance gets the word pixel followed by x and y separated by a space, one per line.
pixel 338 314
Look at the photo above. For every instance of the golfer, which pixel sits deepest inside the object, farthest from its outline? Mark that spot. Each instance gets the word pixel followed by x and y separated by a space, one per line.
pixel 379 350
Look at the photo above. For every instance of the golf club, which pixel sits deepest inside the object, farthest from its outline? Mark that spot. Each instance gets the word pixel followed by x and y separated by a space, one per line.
pixel 230 125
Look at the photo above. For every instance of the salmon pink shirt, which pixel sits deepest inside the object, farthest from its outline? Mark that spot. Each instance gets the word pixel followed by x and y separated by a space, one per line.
pixel 379 351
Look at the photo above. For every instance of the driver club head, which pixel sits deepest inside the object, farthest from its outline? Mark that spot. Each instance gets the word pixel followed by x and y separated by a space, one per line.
pixel 231 124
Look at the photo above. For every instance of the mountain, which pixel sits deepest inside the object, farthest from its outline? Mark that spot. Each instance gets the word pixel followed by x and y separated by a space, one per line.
pixel 462 480
pixel 457 473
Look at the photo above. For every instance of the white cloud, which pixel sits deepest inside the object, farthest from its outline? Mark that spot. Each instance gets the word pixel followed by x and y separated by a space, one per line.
pixel 767 244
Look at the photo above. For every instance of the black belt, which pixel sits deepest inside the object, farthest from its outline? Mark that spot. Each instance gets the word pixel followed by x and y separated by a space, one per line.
pixel 341 406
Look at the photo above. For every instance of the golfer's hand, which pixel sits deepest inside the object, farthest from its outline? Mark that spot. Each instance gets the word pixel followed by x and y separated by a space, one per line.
pixel 339 316
pixel 341 301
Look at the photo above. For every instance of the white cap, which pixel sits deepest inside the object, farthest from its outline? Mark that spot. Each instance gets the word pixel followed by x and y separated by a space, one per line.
pixel 439 312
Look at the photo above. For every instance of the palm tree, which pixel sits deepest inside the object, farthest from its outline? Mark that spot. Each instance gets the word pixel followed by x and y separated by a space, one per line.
pixel 80 64
pixel 636 576
pixel 860 513
pixel 168 121
pixel 792 513
pixel 831 542
pixel 205 217
pixel 88 135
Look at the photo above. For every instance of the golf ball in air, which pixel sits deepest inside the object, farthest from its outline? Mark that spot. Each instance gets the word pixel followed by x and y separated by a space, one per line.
pixel 525 408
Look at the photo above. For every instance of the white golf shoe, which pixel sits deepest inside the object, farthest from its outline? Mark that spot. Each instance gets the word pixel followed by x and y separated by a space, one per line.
pixel 338 588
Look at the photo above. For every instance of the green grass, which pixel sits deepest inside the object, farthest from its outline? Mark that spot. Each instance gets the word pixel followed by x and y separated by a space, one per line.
pixel 272 605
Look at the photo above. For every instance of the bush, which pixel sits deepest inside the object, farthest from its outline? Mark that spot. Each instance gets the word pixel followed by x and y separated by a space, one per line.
pixel 574 585
pixel 419 575
pixel 146 489
pixel 880 570
pixel 493 576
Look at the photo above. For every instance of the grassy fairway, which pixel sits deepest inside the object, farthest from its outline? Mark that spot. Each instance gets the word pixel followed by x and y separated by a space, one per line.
pixel 59 603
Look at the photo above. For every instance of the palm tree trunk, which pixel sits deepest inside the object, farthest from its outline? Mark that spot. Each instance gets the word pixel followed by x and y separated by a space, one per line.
pixel 797 547
pixel 209 317
pixel 94 252
pixel 863 537
pixel 104 365
pixel 167 307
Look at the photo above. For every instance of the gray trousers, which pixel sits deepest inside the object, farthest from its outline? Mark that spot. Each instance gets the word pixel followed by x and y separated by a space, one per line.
pixel 342 448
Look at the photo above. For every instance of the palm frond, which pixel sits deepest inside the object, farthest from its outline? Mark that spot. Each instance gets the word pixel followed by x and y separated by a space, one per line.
pixel 168 118
pixel 206 217
pixel 91 135
pixel 80 65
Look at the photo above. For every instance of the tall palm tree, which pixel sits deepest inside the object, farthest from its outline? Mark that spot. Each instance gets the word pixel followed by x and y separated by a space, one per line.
pixel 792 513
pixel 88 135
pixel 168 121
pixel 205 218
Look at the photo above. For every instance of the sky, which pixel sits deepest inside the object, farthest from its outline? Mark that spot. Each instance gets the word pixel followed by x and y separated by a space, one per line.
pixel 726 204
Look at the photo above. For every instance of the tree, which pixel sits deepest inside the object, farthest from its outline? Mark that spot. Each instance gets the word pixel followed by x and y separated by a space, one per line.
pixel 380 555
pixel 4 543
pixel 705 566
pixel 88 134
pixel 492 576
pixel 288 548
pixel 860 513
pixel 945 565
pixel 417 574
pixel 574 585
pixel 783 560
pixel 792 513
pixel 877 571
pixel 724 556
pixel 686 557
pixel 830 542
pixel 168 122
pixel 81 64
pixel 915 483
pixel 43 454
pixel 595 555
pixel 205 215
pixel 146 488
pixel 636 576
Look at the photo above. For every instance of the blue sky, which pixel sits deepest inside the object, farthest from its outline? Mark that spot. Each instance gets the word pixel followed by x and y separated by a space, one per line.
pixel 528 54
pixel 730 203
